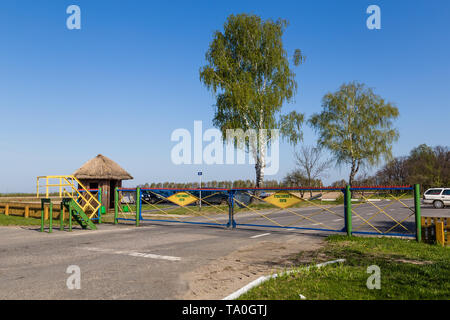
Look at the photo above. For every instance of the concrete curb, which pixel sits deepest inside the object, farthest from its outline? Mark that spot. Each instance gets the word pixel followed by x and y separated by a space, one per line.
pixel 262 279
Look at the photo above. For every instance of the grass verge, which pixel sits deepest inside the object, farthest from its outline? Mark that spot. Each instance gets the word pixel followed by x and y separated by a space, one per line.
pixel 18 221
pixel 31 221
pixel 409 270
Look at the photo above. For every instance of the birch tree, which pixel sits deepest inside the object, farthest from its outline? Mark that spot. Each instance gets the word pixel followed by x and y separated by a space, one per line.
pixel 356 125
pixel 310 163
pixel 248 71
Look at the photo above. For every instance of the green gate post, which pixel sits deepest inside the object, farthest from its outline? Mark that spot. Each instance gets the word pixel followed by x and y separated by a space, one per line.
pixel 138 205
pixel 116 205
pixel 50 227
pixel 70 217
pixel 348 210
pixel 100 209
pixel 42 215
pixel 230 210
pixel 417 212
pixel 61 217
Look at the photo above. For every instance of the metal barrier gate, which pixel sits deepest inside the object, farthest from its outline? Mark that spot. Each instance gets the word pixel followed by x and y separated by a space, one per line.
pixel 193 206
pixel 291 208
pixel 387 210
pixel 391 210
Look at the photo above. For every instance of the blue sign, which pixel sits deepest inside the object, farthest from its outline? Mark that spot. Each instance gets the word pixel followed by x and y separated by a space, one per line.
pixel 199 173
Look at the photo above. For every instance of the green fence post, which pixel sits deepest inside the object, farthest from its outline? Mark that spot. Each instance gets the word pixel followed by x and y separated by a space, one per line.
pixel 61 217
pixel 138 205
pixel 70 217
pixel 100 209
pixel 230 212
pixel 116 205
pixel 50 227
pixel 348 210
pixel 417 212
pixel 42 215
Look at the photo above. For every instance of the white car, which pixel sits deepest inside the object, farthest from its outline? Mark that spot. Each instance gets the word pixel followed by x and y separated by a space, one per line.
pixel 439 197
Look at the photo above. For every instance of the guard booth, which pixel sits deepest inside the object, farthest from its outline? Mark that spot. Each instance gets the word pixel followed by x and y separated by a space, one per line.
pixel 102 173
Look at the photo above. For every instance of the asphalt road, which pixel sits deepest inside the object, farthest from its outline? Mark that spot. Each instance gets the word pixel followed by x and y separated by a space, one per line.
pixel 125 262
pixel 116 262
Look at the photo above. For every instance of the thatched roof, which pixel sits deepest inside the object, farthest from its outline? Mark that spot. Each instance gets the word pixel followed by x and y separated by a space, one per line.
pixel 102 167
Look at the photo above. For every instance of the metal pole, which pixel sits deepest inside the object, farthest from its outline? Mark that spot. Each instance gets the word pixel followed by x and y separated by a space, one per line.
pixel 348 210
pixel 42 215
pixel 116 204
pixel 101 206
pixel 200 191
pixel 229 209
pixel 50 227
pixel 138 205
pixel 70 217
pixel 231 223
pixel 417 212
pixel 61 217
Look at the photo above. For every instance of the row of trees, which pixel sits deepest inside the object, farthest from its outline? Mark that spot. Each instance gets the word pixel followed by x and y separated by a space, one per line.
pixel 428 166
pixel 213 184
pixel 248 70
pixel 425 165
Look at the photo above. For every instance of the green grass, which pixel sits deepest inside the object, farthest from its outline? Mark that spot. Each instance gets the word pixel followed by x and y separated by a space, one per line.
pixel 22 194
pixel 18 221
pixel 409 270
pixel 31 221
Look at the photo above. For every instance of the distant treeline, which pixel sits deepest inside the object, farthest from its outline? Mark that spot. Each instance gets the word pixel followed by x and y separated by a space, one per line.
pixel 428 166
pixel 425 165
pixel 212 184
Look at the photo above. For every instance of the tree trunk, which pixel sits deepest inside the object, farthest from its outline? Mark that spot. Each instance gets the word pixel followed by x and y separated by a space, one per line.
pixel 351 178
pixel 353 171
pixel 260 155
pixel 310 186
pixel 259 168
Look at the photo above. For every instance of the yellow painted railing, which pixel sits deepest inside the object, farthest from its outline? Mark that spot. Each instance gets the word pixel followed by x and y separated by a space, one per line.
pixel 436 229
pixel 71 187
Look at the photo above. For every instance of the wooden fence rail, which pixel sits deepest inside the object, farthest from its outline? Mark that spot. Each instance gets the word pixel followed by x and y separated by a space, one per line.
pixel 29 210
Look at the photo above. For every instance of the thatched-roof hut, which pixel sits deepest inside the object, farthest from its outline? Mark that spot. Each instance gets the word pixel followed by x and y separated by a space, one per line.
pixel 102 172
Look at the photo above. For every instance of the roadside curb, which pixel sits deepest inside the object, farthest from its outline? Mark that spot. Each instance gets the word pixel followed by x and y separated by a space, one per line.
pixel 262 279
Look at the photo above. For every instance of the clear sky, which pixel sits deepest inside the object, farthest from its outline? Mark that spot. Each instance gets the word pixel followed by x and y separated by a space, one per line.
pixel 130 76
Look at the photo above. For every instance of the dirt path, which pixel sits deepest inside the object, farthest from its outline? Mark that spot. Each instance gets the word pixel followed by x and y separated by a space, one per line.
pixel 230 273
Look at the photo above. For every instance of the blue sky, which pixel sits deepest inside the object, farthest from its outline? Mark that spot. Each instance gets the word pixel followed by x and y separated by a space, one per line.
pixel 130 76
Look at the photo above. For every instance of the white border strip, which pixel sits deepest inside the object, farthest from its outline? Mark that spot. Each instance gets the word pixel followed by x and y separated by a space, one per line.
pixel 259 235
pixel 262 279
pixel 134 254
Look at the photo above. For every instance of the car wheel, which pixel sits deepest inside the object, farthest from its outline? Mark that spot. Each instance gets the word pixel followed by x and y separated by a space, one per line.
pixel 438 204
